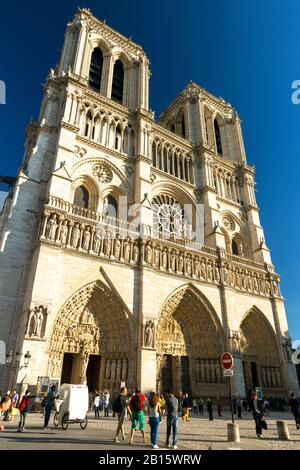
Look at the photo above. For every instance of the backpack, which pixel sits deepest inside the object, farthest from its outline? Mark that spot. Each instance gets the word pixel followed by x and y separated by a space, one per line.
pixel 22 404
pixel 135 403
pixel 117 405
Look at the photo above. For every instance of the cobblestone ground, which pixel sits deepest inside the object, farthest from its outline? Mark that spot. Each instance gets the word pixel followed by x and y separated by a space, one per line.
pixel 199 434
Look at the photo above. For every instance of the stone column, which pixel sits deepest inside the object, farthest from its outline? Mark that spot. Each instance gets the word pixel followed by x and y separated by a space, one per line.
pixel 177 375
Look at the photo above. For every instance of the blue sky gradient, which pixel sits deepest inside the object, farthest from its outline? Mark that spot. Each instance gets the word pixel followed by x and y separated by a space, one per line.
pixel 246 52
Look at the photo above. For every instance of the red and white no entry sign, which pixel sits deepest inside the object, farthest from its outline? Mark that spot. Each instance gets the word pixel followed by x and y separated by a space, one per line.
pixel 227 361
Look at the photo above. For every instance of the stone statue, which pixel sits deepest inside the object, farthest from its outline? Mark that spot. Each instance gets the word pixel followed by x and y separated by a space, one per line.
pixel 107 246
pixel 117 248
pixel 164 259
pixel 197 267
pixel 75 236
pixel 173 261
pixel 86 239
pixel 96 243
pixel 127 250
pixel 51 227
pixel 63 232
pixel 136 252
pixel 180 263
pixel 39 322
pixel 148 254
pixel 149 334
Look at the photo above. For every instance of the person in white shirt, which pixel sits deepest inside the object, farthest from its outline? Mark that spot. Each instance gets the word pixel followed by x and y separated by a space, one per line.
pixel 97 405
pixel 105 399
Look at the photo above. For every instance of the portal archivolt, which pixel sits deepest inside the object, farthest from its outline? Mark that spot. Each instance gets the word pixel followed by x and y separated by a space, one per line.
pixel 189 343
pixel 92 323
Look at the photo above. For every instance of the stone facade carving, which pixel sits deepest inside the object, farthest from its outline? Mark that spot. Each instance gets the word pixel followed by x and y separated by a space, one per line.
pixel 102 173
pixel 228 223
pixel 149 334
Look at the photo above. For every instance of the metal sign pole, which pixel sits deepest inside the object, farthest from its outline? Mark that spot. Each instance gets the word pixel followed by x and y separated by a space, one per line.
pixel 230 398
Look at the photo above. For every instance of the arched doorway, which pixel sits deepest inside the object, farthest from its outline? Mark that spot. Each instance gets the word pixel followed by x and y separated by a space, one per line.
pixel 259 352
pixel 91 340
pixel 189 342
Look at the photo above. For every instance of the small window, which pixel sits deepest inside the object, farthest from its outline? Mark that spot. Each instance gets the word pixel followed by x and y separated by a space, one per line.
pixel 81 197
pixel 96 69
pixel 118 82
pixel 234 248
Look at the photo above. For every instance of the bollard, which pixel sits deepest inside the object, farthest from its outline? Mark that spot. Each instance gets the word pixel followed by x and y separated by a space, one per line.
pixel 283 430
pixel 233 432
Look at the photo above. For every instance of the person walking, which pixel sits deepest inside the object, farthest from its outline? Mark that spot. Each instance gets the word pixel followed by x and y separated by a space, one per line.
pixel 185 407
pixel 163 406
pixel 172 416
pixel 200 406
pixel 4 407
pixel 122 409
pixel 245 404
pixel 23 408
pixel 97 405
pixel 154 412
pixel 219 406
pixel 234 405
pixel 239 407
pixel 195 407
pixel 210 409
pixel 48 405
pixel 294 406
pixel 106 397
pixel 138 420
pixel 257 414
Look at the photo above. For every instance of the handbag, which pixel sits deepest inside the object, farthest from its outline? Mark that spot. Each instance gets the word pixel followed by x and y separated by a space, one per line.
pixel 264 424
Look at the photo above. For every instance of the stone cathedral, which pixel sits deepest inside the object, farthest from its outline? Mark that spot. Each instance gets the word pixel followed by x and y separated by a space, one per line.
pixel 100 295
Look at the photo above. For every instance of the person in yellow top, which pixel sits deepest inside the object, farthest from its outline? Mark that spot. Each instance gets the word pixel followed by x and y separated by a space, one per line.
pixel 185 407
pixel 162 403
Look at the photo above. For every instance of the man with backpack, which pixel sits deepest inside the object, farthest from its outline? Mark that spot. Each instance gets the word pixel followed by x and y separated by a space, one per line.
pixel 137 407
pixel 121 408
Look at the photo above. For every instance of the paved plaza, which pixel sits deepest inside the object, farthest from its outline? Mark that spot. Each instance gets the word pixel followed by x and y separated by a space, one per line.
pixel 197 434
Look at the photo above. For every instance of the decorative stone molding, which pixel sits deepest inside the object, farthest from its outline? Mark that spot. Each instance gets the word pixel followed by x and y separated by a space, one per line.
pixel 103 173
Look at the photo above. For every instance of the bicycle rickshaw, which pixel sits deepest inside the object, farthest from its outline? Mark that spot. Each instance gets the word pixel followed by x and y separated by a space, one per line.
pixel 73 406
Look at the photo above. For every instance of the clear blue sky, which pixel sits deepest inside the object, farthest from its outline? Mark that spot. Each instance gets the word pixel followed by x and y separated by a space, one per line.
pixel 246 52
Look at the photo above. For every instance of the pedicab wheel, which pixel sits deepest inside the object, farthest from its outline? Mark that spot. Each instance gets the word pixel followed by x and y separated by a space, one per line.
pixel 65 421
pixel 55 419
pixel 83 423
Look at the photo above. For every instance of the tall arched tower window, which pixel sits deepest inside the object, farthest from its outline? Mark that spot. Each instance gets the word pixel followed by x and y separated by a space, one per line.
pixel 96 69
pixel 182 126
pixel 81 197
pixel 218 137
pixel 118 82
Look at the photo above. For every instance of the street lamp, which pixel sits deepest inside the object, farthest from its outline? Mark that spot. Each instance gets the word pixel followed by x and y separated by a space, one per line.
pixel 15 364
pixel 27 358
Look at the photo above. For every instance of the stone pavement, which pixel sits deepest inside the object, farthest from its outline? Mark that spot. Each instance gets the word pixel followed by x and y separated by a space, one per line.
pixel 198 434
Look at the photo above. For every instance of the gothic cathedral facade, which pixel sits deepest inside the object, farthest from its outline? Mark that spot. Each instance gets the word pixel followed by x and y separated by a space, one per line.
pixel 99 295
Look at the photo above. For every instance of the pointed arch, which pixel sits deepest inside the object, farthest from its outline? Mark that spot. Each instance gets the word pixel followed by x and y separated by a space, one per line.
pixel 190 339
pixel 259 350
pixel 93 321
